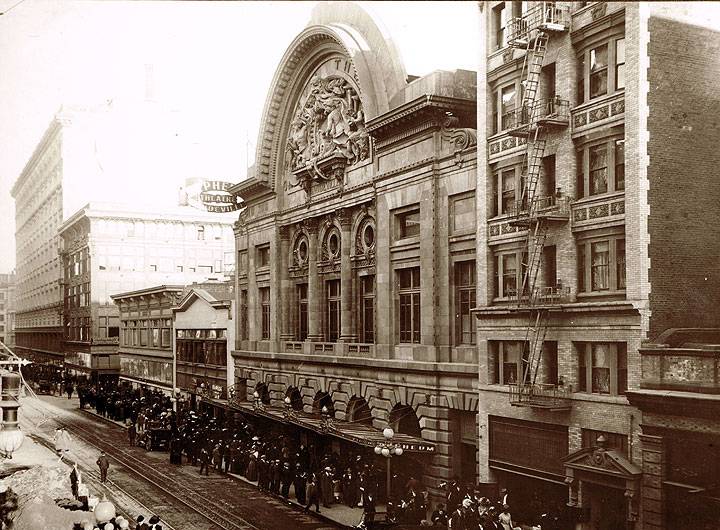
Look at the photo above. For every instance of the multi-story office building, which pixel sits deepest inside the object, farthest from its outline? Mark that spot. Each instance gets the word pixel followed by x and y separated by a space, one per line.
pixel 110 249
pixel 356 253
pixel 79 160
pixel 7 294
pixel 596 199
pixel 146 335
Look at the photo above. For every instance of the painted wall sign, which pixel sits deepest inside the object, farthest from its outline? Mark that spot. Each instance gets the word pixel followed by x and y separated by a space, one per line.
pixel 209 195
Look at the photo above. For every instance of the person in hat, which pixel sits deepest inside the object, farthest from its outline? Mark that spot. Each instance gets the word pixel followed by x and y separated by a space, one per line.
pixel 326 486
pixel 313 492
pixel 489 520
pixel 350 488
pixel 439 516
pixel 300 482
pixel 505 519
pixel 103 463
pixel 286 478
pixel 459 519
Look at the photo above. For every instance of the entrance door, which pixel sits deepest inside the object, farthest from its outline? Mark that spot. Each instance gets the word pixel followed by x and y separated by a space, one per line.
pixel 607 508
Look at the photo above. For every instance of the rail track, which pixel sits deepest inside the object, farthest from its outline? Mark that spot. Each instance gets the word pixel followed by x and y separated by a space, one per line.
pixel 201 504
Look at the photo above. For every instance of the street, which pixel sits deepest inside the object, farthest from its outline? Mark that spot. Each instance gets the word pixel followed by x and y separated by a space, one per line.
pixel 145 483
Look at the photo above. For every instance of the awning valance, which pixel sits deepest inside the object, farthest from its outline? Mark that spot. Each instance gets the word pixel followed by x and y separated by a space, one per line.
pixel 359 433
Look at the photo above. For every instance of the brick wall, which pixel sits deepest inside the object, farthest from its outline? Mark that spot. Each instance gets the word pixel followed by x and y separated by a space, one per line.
pixel 684 102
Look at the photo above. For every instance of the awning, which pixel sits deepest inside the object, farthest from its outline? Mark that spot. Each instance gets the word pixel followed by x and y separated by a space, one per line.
pixel 358 433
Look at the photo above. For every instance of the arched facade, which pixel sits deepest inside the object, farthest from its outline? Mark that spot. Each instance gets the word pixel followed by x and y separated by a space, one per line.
pixel 352 235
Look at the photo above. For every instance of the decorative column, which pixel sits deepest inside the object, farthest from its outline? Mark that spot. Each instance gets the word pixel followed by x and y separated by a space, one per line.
pixel 314 287
pixel 254 326
pixel 347 329
pixel 285 307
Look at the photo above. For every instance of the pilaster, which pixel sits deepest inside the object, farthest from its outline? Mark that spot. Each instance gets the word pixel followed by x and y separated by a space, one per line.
pixel 653 467
pixel 347 295
pixel 284 304
pixel 314 284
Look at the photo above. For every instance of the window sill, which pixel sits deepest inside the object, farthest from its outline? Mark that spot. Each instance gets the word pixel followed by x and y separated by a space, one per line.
pixel 594 295
pixel 597 100
pixel 600 197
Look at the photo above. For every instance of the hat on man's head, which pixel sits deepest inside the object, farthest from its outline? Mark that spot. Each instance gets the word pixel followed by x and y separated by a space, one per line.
pixel 467 503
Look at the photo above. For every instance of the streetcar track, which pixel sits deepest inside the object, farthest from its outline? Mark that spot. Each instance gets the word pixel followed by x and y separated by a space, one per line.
pixel 118 492
pixel 227 520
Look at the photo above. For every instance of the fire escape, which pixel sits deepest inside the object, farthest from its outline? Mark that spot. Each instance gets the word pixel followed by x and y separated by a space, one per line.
pixel 535 212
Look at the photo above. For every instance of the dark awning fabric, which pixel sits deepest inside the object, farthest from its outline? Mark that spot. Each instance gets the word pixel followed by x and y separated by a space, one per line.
pixel 358 433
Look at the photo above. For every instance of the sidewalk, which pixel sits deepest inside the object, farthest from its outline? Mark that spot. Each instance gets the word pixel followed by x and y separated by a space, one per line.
pixel 337 513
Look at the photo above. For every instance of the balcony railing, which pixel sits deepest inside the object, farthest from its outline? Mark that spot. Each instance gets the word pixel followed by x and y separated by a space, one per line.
pixel 546 206
pixel 542 296
pixel 550 112
pixel 540 396
pixel 545 16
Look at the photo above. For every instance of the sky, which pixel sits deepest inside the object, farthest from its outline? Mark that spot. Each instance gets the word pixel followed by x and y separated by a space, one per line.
pixel 211 64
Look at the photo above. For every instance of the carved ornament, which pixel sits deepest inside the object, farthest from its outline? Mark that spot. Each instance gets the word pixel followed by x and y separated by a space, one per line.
pixel 329 122
pixel 460 137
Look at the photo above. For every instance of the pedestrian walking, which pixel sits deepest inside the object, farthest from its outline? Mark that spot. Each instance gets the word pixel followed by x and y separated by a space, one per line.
pixel 313 493
pixel 103 463
pixel 132 434
pixel 74 480
pixel 300 483
pixel 204 461
pixel 62 442
pixel 69 390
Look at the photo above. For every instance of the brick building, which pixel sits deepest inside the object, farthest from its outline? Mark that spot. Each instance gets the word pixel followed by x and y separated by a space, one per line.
pixel 7 310
pixel 591 241
pixel 356 253
pixel 109 249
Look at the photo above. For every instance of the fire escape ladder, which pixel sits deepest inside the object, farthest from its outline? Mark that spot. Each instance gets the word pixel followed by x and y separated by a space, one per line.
pixel 533 349
pixel 532 67
pixel 535 242
pixel 534 152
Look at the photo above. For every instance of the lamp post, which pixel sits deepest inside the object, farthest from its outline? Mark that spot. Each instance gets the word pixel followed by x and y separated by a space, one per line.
pixel 388 449
pixel 326 423
pixel 257 402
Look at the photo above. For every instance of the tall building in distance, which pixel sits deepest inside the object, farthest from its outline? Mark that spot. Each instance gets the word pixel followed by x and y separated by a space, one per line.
pixel 117 151
pixel 356 253
pixel 109 249
pixel 594 152
pixel 7 310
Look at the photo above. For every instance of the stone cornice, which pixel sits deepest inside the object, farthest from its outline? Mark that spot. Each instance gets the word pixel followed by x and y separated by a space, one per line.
pixel 427 108
pixel 252 189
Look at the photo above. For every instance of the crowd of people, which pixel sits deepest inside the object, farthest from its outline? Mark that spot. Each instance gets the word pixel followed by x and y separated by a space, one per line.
pixel 279 464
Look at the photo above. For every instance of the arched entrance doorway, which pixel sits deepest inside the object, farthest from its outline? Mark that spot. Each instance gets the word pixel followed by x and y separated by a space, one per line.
pixel 358 411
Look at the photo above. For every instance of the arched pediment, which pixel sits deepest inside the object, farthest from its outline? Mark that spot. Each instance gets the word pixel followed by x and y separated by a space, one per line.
pixel 347 65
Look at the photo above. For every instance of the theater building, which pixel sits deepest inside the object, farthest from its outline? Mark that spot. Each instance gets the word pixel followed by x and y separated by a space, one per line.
pixel 356 252
pixel 590 125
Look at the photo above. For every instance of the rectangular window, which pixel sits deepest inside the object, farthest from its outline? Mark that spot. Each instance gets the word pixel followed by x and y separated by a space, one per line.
pixel 333 310
pixel 464 302
pixel 507 106
pixel 602 368
pixel 143 336
pixel 244 331
pixel 598 169
pixel 599 71
pixel 408 224
pixel 201 233
pixel 509 275
pixel 302 321
pixel 601 168
pixel 620 63
pixel 619 164
pixel 548 166
pixel 601 265
pixel 368 309
pixel 463 214
pixel 265 311
pixel 501 16
pixel 510 365
pixel 409 304
pixel 263 256
pixel 508 183
pixel 205 269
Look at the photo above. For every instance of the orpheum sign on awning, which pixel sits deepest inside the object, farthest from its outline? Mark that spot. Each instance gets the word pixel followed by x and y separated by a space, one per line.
pixel 210 195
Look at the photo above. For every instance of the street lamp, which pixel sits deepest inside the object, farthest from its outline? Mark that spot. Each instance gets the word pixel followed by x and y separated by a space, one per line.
pixel 326 423
pixel 289 412
pixel 388 449
pixel 257 402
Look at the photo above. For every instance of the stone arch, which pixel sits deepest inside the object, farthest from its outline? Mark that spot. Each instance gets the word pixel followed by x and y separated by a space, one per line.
pixel 336 28
pixel 404 420
pixel 323 399
pixel 358 411
pixel 296 400
pixel 299 235
pixel 328 228
pixel 263 392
